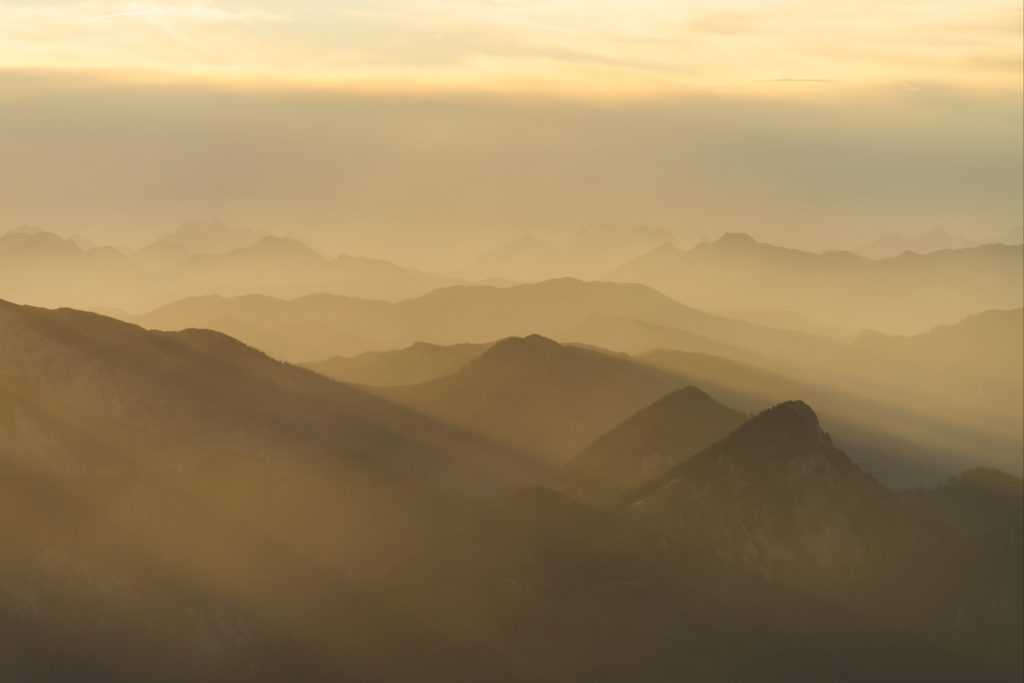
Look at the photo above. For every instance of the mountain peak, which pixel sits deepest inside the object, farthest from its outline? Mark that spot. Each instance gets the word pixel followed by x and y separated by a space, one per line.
pixel 735 239
pixel 782 442
pixel 688 394
pixel 647 444
pixel 531 342
pixel 794 420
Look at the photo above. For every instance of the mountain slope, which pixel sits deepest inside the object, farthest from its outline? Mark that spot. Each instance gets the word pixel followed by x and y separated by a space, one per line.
pixel 776 497
pixel 418 363
pixel 109 392
pixel 657 438
pixel 478 314
pixel 538 396
pixel 980 355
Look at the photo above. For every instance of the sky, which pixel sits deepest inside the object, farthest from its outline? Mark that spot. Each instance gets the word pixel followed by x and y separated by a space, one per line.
pixel 398 127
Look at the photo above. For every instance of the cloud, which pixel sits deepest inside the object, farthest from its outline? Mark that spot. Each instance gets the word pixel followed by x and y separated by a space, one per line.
pixel 614 46
pixel 185 12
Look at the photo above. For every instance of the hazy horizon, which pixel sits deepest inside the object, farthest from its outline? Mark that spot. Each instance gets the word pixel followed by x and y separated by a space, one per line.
pixel 433 180
pixel 394 129
pixel 690 346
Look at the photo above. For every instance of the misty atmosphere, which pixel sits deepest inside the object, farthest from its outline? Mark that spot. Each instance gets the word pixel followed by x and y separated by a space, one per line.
pixel 562 342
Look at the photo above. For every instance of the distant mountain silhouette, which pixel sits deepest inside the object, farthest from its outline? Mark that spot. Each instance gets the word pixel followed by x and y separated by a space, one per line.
pixel 210 237
pixel 37 266
pixel 644 446
pixel 981 356
pixel 538 396
pixel 201 258
pixel 588 254
pixel 903 294
pixel 936 239
pixel 633 336
pixel 477 314
pixel 286 267
pixel 418 363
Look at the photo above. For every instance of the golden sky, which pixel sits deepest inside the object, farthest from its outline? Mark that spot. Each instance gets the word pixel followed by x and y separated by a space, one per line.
pixel 407 128
pixel 591 46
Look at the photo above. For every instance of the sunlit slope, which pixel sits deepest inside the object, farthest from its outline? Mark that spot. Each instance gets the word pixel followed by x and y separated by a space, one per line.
pixel 903 441
pixel 976 365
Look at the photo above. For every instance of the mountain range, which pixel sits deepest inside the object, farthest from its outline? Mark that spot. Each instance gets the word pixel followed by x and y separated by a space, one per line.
pixel 936 239
pixel 198 258
pixel 903 437
pixel 905 294
pixel 559 308
pixel 589 253
pixel 647 444
pixel 178 506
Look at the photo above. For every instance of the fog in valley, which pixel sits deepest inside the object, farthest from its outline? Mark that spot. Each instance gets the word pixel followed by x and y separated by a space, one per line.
pixel 555 342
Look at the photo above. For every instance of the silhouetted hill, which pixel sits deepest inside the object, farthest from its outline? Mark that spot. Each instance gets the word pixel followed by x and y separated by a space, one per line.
pixel 588 254
pixel 285 267
pixel 775 496
pixel 418 363
pixel 768 556
pixel 539 396
pixel 197 260
pixel 936 239
pixel 904 294
pixel 644 446
pixel 85 392
pixel 209 236
pixel 903 441
pixel 180 507
pixel 37 266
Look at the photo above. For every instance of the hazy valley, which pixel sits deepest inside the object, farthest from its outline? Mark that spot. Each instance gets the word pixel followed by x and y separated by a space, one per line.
pixel 435 341
pixel 545 481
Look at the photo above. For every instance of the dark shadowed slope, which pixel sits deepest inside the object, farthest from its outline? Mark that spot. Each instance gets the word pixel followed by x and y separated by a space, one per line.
pixel 768 556
pixel 777 500
pixel 539 396
pixel 775 496
pixel 905 440
pixel 646 445
pixel 418 363
pixel 904 294
pixel 83 391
